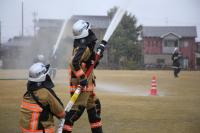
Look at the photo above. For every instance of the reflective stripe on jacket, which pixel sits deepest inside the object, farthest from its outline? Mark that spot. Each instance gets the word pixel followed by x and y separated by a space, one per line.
pixel 90 87
pixel 34 117
pixel 49 130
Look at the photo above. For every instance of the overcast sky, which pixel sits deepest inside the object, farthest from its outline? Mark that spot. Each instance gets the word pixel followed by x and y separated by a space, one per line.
pixel 148 12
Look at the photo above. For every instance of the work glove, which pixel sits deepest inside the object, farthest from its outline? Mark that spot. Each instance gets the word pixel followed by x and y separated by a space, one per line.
pixel 93 59
pixel 83 82
pixel 101 47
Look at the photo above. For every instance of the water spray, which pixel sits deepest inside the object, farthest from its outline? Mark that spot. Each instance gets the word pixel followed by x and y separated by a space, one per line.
pixel 114 23
pixel 55 47
pixel 52 56
pixel 111 28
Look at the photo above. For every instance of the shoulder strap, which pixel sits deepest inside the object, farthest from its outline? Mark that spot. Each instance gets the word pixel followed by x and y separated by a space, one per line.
pixel 27 92
pixel 36 100
pixel 54 94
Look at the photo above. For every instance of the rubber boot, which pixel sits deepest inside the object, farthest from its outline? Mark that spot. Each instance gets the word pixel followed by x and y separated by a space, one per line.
pixel 97 130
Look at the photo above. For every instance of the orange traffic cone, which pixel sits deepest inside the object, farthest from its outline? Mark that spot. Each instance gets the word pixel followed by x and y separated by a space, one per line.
pixel 153 90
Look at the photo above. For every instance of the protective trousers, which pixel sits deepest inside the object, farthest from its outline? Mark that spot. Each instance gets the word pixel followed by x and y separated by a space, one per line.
pixel 89 101
pixel 177 68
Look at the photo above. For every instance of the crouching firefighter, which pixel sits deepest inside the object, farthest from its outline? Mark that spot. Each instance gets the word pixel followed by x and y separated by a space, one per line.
pixel 83 56
pixel 40 103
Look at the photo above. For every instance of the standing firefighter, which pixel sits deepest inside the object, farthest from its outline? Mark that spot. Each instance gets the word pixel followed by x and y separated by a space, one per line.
pixel 176 62
pixel 40 102
pixel 83 57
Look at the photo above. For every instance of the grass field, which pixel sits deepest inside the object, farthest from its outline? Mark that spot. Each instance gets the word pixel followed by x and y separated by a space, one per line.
pixel 126 104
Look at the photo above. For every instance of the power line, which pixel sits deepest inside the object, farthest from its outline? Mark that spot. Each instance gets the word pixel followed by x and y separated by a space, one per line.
pixel 34 22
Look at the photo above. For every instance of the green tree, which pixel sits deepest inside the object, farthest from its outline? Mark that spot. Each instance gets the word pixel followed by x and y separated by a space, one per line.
pixel 124 46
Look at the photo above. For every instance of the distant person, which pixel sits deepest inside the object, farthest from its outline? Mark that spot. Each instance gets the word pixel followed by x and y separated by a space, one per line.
pixel 83 55
pixel 40 103
pixel 176 62
pixel 41 58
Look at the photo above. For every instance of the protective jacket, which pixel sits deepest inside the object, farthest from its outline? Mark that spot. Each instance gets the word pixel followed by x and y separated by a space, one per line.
pixel 175 59
pixel 38 107
pixel 83 55
pixel 176 63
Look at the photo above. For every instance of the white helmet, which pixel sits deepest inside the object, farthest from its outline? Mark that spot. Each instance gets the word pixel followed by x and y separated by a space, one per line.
pixel 38 72
pixel 175 50
pixel 81 29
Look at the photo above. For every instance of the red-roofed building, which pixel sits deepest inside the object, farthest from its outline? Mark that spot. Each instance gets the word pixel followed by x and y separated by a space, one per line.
pixel 159 43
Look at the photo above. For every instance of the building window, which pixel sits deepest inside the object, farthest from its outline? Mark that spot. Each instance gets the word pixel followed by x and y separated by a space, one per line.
pixel 156 45
pixel 185 44
pixel 198 48
pixel 198 61
pixel 181 43
pixel 160 61
pixel 171 43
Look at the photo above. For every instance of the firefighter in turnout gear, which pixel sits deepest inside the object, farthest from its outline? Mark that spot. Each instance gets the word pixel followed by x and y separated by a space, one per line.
pixel 176 62
pixel 40 103
pixel 83 56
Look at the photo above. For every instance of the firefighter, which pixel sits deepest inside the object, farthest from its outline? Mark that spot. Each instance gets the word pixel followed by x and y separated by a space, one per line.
pixel 83 55
pixel 176 62
pixel 40 103
pixel 39 58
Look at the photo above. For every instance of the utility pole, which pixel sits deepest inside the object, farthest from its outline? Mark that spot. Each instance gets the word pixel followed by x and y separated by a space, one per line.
pixel 22 2
pixel 34 22
pixel 0 33
pixel 166 21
